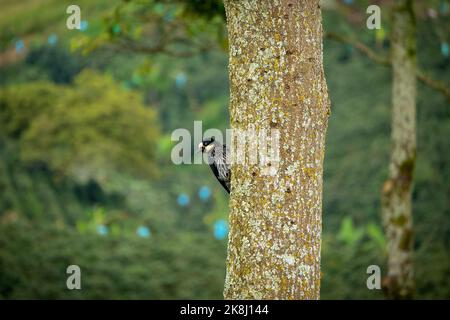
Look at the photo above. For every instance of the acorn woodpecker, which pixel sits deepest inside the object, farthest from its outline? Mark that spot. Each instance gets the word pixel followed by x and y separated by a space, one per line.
pixel 217 160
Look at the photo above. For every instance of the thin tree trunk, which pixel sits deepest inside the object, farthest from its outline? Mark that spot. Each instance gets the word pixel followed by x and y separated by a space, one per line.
pixel 396 194
pixel 277 82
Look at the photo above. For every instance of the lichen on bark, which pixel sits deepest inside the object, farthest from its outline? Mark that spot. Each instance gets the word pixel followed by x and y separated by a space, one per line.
pixel 277 81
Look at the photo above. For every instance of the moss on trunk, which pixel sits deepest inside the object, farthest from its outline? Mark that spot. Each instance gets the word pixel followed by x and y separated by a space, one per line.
pixel 277 81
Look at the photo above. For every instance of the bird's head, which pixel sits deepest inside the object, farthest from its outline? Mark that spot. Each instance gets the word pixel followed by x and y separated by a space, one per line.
pixel 207 145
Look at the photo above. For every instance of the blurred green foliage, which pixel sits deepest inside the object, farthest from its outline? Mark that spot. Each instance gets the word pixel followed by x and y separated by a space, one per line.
pixel 85 157
pixel 88 131
pixel 33 263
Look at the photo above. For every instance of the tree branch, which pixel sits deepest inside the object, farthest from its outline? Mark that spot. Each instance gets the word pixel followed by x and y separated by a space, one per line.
pixel 361 47
pixel 434 84
pixel 385 61
pixel 128 44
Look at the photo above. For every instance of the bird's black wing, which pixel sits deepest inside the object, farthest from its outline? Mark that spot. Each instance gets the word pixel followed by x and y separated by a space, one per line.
pixel 223 182
pixel 220 165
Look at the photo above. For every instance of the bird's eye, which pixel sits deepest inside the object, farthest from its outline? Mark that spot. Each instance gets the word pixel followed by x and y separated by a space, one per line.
pixel 204 144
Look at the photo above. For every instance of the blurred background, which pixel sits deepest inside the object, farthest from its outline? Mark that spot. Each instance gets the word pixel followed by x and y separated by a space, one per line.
pixel 86 178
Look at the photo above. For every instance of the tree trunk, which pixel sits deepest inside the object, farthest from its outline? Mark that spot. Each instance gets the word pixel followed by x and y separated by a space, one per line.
pixel 396 193
pixel 277 82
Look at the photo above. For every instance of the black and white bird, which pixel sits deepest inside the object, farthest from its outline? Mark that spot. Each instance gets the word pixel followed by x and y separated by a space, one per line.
pixel 217 160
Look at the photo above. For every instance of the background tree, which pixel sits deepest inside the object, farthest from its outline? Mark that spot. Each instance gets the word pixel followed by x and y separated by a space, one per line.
pixel 277 81
pixel 397 190
pixel 396 195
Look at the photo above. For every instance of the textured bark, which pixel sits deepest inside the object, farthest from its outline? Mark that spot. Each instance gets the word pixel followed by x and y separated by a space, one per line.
pixel 277 82
pixel 396 193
